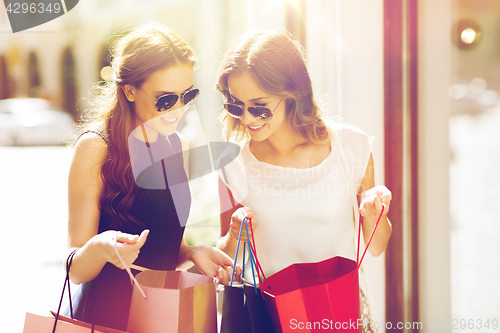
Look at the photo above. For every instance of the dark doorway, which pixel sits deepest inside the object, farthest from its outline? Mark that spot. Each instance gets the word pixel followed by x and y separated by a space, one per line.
pixel 69 83
pixel 5 90
pixel 34 81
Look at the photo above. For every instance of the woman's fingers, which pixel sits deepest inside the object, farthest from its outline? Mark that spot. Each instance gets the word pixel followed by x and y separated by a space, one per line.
pixel 237 219
pixel 222 258
pixel 377 203
pixel 373 199
pixel 128 253
pixel 224 275
pixel 247 212
pixel 128 247
pixel 138 240
pixel 126 238
pixel 370 208
pixel 386 199
pixel 371 205
pixel 238 272
pixel 142 238
pixel 235 229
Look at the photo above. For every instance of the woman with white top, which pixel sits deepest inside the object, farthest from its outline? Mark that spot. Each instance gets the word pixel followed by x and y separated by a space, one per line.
pixel 296 190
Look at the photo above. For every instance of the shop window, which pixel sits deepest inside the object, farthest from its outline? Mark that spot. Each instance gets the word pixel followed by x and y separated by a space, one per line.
pixel 68 82
pixel 4 80
pixel 35 89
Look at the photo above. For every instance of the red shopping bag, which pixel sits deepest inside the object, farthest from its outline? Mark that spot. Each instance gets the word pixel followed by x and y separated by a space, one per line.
pixel 176 301
pixel 316 297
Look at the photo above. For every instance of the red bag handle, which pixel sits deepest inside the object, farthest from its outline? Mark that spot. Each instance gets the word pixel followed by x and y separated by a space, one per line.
pixel 345 162
pixel 358 262
pixel 369 241
pixel 252 245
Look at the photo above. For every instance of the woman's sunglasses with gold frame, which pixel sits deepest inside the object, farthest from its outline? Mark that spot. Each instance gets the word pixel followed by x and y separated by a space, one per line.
pixel 259 112
pixel 167 101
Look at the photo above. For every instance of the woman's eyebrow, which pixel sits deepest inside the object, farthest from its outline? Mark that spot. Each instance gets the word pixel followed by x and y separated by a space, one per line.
pixel 233 98
pixel 258 99
pixel 252 100
pixel 171 92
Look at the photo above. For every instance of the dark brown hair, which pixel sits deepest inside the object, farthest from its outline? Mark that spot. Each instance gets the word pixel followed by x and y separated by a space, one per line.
pixel 135 57
pixel 277 64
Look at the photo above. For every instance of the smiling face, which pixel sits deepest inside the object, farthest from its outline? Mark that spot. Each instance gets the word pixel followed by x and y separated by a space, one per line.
pixel 246 93
pixel 172 80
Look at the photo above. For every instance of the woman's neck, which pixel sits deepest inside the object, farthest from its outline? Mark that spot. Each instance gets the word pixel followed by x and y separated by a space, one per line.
pixel 145 133
pixel 284 141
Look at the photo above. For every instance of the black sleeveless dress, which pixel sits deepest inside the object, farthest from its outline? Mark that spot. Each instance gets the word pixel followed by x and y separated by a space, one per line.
pixel 162 204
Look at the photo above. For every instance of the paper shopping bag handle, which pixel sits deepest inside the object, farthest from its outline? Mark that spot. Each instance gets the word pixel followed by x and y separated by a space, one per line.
pixel 69 260
pixel 132 277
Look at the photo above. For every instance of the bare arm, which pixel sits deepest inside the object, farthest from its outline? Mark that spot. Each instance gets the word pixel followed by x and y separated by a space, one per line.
pixel 84 191
pixel 370 200
pixel 211 261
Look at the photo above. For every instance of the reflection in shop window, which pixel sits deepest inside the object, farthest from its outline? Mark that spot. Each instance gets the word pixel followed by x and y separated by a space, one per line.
pixel 4 79
pixel 35 89
pixel 68 87
pixel 474 177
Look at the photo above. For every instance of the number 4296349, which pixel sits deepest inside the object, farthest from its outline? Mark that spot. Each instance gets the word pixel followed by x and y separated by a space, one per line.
pixel 24 8
pixel 471 324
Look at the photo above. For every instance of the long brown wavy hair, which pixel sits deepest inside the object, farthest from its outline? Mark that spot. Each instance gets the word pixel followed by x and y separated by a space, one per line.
pixel 135 57
pixel 277 64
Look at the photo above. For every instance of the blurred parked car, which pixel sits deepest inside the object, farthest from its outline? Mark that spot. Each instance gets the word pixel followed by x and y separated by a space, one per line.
pixel 33 121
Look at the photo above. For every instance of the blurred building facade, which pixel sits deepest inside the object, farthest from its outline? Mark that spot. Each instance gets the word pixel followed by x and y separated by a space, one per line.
pixel 62 59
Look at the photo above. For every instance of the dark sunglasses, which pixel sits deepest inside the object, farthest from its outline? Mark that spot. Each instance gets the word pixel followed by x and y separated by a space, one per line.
pixel 166 102
pixel 258 112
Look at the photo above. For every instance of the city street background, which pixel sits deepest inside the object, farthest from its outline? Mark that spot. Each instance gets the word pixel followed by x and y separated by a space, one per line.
pixel 344 39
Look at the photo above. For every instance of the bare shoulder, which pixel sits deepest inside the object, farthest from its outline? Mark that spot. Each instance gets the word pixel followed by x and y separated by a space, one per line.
pixel 92 145
pixel 90 151
pixel 85 186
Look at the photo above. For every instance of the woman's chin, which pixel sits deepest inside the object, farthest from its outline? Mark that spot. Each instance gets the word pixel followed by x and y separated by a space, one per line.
pixel 166 126
pixel 168 130
pixel 167 123
pixel 258 136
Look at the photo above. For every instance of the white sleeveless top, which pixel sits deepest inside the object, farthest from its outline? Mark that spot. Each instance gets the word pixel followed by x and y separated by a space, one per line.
pixel 303 214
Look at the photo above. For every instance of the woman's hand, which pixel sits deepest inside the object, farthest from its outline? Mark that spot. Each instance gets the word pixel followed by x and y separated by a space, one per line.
pixel 237 219
pixel 128 246
pixel 372 201
pixel 213 262
pixel 224 275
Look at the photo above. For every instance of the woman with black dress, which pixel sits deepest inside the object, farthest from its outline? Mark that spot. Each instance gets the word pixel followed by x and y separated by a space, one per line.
pixel 116 197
